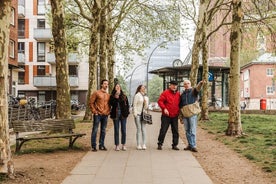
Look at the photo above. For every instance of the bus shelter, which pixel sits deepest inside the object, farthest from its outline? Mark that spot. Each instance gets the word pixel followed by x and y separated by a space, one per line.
pixel 218 80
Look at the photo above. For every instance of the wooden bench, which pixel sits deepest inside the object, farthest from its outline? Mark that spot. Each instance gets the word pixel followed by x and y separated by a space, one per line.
pixel 63 128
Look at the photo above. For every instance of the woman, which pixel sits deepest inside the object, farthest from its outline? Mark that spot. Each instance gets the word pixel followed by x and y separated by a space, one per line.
pixel 140 103
pixel 119 113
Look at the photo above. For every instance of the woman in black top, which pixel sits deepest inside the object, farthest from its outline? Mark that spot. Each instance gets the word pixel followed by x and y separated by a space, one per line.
pixel 119 113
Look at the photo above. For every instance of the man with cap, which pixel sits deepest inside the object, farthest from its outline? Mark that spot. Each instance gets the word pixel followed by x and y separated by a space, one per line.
pixel 169 103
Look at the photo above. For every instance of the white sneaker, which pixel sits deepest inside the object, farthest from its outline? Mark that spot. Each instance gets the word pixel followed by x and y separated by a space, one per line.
pixel 144 147
pixel 124 148
pixel 139 147
pixel 117 148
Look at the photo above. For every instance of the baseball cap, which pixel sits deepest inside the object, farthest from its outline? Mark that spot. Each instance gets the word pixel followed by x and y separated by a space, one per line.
pixel 173 82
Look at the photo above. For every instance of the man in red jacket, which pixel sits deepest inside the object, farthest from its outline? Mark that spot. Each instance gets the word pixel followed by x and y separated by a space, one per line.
pixel 169 103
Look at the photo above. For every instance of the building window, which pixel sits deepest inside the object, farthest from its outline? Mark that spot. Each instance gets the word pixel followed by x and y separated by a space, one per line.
pixel 41 52
pixel 11 49
pixel 21 76
pixel 73 70
pixel 270 71
pixel 269 90
pixel 41 23
pixel 41 70
pixel 21 47
pixel 21 28
pixel 12 16
pixel 41 7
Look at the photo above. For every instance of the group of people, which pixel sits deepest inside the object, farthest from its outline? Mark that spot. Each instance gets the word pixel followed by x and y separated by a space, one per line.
pixel 116 105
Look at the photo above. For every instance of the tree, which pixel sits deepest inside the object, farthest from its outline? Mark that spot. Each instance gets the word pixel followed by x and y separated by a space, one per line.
pixel 62 77
pixel 6 164
pixel 234 121
pixel 155 84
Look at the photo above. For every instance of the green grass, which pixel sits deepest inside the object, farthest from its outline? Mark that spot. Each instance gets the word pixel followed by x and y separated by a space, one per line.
pixel 257 145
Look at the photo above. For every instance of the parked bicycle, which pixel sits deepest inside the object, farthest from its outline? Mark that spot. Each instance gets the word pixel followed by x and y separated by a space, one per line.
pixel 33 111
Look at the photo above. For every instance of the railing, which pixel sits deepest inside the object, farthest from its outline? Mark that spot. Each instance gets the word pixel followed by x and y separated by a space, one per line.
pixel 43 34
pixel 50 81
pixel 21 58
pixel 21 11
pixel 72 58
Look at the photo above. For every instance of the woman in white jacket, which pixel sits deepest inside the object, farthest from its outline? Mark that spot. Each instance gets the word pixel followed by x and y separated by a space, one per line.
pixel 140 103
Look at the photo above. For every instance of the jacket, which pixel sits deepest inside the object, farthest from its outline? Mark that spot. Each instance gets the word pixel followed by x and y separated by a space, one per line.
pixel 189 96
pixel 138 103
pixel 99 102
pixel 124 106
pixel 169 100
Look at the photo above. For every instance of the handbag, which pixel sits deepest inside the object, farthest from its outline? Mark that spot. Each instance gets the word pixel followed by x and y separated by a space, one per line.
pixel 146 118
pixel 190 110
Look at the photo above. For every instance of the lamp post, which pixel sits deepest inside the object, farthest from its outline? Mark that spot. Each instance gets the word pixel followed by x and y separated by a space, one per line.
pixel 131 79
pixel 147 74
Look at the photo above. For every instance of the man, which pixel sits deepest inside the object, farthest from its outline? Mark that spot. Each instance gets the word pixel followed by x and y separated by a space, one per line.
pixel 190 96
pixel 100 108
pixel 169 103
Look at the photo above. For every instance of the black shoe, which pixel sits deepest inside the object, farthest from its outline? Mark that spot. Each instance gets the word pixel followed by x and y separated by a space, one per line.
pixel 159 147
pixel 103 148
pixel 175 148
pixel 187 148
pixel 194 150
pixel 94 149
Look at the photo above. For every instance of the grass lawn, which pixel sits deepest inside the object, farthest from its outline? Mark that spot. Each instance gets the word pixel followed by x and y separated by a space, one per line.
pixel 259 142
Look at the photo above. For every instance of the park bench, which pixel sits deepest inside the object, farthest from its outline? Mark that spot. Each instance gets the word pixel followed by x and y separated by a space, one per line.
pixel 54 128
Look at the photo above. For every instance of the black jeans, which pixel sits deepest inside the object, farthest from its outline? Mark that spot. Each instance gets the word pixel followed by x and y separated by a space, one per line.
pixel 165 123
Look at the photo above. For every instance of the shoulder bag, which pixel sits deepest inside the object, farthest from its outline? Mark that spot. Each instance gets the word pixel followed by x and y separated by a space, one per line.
pixel 146 117
pixel 190 110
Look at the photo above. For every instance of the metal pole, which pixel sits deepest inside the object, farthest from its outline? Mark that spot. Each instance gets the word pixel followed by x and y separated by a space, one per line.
pixel 147 77
pixel 131 79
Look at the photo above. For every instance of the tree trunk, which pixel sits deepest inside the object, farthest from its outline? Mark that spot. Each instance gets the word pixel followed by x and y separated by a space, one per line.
pixel 234 121
pixel 198 42
pixel 93 55
pixel 6 164
pixel 62 75
pixel 204 101
pixel 102 49
pixel 110 48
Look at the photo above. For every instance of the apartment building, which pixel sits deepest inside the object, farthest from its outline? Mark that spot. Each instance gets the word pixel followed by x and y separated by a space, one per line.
pixel 36 58
pixel 13 60
pixel 258 82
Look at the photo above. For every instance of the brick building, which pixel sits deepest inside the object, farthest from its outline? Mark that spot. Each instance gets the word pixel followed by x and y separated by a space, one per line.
pixel 37 77
pixel 13 60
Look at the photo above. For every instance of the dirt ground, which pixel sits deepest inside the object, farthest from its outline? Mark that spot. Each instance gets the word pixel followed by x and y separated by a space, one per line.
pixel 223 165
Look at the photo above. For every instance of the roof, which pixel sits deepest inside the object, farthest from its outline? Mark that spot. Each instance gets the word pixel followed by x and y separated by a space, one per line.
pixel 266 58
pixel 186 68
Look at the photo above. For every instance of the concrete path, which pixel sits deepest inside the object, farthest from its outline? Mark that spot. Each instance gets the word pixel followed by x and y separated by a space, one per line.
pixel 133 166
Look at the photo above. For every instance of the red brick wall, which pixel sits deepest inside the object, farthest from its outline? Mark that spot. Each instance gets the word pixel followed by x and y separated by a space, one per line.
pixel 26 74
pixel 13 34
pixel 31 51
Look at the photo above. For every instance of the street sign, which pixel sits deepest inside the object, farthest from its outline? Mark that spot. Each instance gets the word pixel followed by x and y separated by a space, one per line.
pixel 210 76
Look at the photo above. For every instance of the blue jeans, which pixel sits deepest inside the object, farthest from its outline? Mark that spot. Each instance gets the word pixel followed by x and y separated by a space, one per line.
pixel 141 131
pixel 190 128
pixel 117 123
pixel 97 120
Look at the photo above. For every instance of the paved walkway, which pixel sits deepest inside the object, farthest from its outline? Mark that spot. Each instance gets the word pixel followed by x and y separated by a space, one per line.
pixel 133 166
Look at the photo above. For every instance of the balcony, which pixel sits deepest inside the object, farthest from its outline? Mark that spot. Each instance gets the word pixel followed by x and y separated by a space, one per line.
pixel 50 81
pixel 21 58
pixel 72 58
pixel 43 34
pixel 21 11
